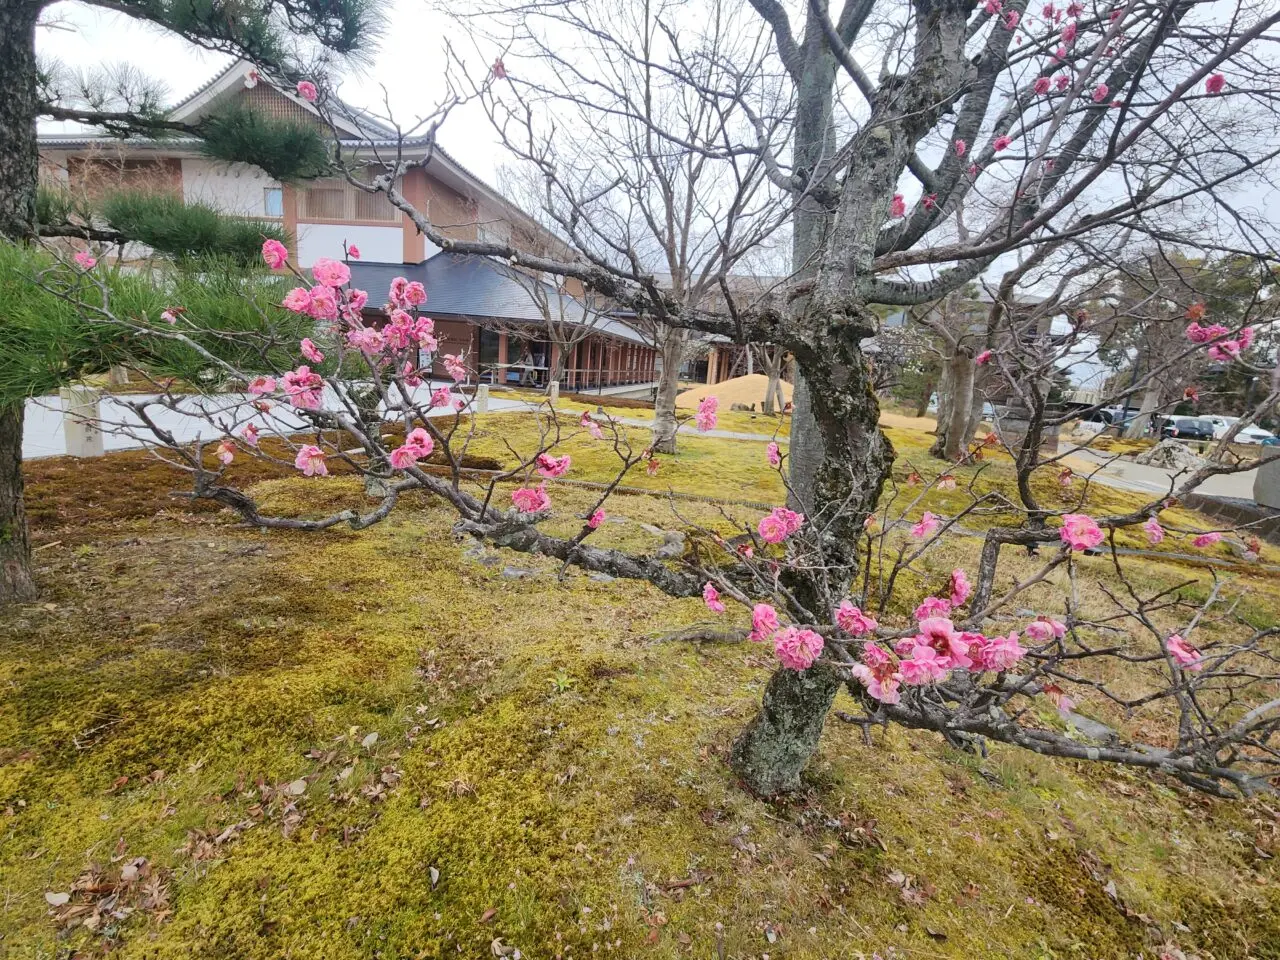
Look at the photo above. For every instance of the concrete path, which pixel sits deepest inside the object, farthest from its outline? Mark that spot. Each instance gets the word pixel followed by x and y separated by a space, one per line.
pixel 43 433
pixel 1127 475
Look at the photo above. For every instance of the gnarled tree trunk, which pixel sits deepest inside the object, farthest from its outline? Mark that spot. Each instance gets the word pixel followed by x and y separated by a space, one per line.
pixel 956 419
pixel 671 350
pixel 773 750
pixel 18 177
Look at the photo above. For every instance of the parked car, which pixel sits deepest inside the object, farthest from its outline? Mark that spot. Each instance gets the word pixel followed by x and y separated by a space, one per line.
pixel 1221 424
pixel 1187 428
pixel 1252 434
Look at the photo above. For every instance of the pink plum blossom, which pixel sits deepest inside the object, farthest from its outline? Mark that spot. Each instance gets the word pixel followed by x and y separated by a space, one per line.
pixel 353 252
pixel 992 7
pixel 274 254
pixel 1061 82
pixel 1187 656
pixel 550 466
pixel 420 440
pixel 879 674
pixel 982 358
pixel 1044 629
pixel 853 621
pixel 593 428
pixel 1011 20
pixel 797 649
pixel 260 385
pixel 307 91
pixel 455 367
pixel 367 340
pixel 1080 532
pixel 441 397
pixel 410 374
pixel 711 597
pixel 927 525
pixel 531 499
pixel 774 456
pixel 897 206
pixel 595 519
pixel 1215 83
pixel 924 666
pixel 947 482
pixel 929 201
pixel 1206 539
pixel 960 147
pixel 298 300
pixel 1155 532
pixel 1001 142
pixel 85 260
pixel 226 451
pixel 960 587
pixel 304 388
pixel 932 607
pixel 652 467
pixel 1100 93
pixel 1041 86
pixel 404 457
pixel 330 273
pixel 706 418
pixel 764 622
pixel 249 434
pixel 310 460
pixel 996 653
pixel 311 351
pixel 939 634
pixel 356 299
pixel 1199 334
pixel 1058 697
pixel 323 304
pixel 1069 33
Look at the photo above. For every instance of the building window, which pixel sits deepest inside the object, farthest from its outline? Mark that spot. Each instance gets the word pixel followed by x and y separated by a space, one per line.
pixel 273 201
pixel 339 200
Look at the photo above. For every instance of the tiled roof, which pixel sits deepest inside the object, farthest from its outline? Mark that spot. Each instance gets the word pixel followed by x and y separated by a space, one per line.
pixel 467 286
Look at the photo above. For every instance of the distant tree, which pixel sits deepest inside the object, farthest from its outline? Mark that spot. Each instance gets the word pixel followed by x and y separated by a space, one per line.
pixel 1145 306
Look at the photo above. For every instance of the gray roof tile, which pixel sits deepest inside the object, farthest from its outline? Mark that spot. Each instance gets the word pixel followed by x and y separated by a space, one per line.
pixel 479 287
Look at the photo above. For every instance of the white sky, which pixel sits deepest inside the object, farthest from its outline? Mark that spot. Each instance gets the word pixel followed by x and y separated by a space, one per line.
pixel 82 36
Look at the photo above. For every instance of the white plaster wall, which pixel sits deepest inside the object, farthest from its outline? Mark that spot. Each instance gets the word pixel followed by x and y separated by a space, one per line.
pixel 377 244
pixel 236 188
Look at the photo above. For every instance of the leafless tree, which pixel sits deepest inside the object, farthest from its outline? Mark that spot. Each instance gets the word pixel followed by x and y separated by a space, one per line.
pixel 1129 138
pixel 611 98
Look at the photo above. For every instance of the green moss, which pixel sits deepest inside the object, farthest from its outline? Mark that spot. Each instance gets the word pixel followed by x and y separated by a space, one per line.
pixel 551 759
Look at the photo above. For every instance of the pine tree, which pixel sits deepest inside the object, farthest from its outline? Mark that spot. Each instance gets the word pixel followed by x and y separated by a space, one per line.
pixel 274 36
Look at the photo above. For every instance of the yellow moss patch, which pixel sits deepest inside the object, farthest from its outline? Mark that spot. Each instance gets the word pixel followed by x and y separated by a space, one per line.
pixel 539 754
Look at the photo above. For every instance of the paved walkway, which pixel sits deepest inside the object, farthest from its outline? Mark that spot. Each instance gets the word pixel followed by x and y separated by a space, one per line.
pixel 1127 475
pixel 44 436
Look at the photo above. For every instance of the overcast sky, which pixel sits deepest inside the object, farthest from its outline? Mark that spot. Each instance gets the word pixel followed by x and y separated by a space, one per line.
pixel 83 36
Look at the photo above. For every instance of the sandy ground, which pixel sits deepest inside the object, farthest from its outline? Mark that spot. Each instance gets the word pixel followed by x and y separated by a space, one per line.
pixel 927 424
pixel 749 389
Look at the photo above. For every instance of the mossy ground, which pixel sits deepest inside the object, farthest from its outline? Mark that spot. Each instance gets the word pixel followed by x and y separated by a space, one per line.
pixel 546 772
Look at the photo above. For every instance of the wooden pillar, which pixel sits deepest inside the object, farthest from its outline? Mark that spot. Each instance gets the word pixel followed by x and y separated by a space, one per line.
pixel 551 364
pixel 289 200
pixel 500 375
pixel 414 187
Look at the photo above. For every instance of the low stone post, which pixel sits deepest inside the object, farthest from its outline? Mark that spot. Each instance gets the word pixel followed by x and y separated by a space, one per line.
pixel 80 418
pixel 482 398
pixel 553 392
